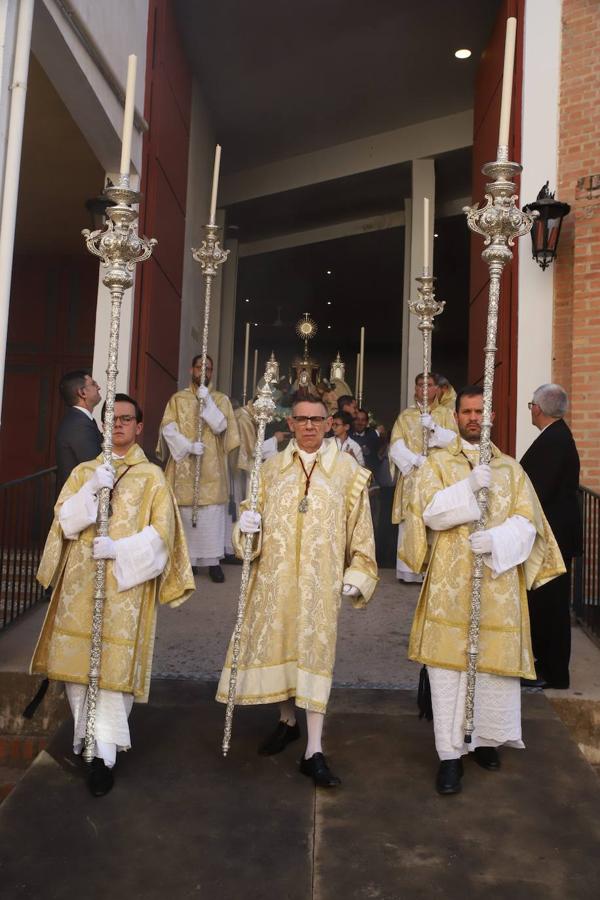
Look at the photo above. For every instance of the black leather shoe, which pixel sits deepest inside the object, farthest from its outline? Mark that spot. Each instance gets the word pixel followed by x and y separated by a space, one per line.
pixel 448 777
pixel 216 574
pixel 316 768
pixel 487 757
pixel 534 683
pixel 101 779
pixel 283 735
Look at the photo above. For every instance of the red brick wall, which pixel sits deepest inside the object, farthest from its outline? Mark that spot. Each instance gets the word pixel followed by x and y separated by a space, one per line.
pixel 576 350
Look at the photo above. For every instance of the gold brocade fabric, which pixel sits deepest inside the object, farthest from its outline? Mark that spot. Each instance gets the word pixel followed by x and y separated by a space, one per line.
pixel 408 428
pixel 289 629
pixel 247 430
pixel 448 401
pixel 142 497
pixel 439 631
pixel 182 408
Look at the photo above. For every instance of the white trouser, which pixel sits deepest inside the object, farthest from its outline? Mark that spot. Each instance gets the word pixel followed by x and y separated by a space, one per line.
pixel 112 726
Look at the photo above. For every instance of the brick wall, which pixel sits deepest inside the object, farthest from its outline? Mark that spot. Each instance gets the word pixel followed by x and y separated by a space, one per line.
pixel 576 350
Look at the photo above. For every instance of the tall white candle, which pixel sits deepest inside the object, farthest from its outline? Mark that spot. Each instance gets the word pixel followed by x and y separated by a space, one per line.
pixel 507 81
pixel 362 362
pixel 426 232
pixel 128 115
pixel 255 372
pixel 215 185
pixel 246 351
pixel 357 379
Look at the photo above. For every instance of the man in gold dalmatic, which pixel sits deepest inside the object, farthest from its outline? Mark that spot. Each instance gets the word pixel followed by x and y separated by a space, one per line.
pixel 519 553
pixel 179 447
pixel 314 546
pixel 147 561
pixel 406 454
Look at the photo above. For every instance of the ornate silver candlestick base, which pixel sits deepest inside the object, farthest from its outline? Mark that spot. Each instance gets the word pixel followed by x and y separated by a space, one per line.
pixel 500 221
pixel 210 256
pixel 120 249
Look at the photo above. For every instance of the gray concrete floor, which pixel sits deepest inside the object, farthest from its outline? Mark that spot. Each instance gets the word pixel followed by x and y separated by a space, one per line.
pixel 183 822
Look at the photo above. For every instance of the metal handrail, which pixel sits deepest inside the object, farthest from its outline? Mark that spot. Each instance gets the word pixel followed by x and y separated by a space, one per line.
pixel 26 510
pixel 585 585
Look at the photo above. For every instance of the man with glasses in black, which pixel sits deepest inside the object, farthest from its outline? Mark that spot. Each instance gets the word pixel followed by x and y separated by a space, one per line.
pixel 314 545
pixel 552 463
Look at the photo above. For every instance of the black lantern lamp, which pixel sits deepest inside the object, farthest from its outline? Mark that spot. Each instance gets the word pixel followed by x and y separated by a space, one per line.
pixel 546 226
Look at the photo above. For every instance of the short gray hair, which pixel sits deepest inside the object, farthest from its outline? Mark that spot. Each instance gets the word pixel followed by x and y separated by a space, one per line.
pixel 552 399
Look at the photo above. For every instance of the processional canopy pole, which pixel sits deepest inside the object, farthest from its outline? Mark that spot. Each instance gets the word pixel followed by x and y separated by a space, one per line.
pixel 120 248
pixel 263 410
pixel 500 221
pixel 210 256
pixel 425 308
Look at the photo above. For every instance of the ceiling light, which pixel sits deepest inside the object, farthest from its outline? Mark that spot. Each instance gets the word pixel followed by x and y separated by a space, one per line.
pixel 247 299
pixel 256 323
pixel 462 54
pixel 329 326
pixel 329 303
pixel 435 234
pixel 329 272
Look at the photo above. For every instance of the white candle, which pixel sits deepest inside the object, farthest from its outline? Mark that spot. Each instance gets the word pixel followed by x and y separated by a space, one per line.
pixel 255 372
pixel 507 81
pixel 215 185
pixel 357 375
pixel 246 350
pixel 425 233
pixel 362 362
pixel 128 115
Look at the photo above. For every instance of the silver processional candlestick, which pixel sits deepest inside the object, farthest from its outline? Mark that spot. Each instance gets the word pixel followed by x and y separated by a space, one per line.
pixel 426 308
pixel 500 221
pixel 210 255
pixel 119 248
pixel 263 410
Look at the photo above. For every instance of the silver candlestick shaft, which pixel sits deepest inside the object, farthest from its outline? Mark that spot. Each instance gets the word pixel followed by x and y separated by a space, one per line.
pixel 500 221
pixel 119 248
pixel 210 256
pixel 264 408
pixel 426 308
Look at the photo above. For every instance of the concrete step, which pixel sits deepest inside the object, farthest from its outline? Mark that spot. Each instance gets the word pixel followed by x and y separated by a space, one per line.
pixel 183 822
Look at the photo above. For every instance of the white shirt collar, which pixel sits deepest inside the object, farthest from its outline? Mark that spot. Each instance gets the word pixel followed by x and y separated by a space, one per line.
pixel 85 411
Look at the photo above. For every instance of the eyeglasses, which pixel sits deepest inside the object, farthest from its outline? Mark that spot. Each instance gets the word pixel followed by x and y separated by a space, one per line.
pixel 304 420
pixel 124 420
pixel 531 404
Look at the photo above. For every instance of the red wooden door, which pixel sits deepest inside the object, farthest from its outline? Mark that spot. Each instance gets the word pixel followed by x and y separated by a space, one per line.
pixel 157 312
pixel 488 90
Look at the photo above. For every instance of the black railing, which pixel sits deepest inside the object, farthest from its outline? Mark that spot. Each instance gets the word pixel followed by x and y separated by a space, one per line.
pixel 586 568
pixel 26 508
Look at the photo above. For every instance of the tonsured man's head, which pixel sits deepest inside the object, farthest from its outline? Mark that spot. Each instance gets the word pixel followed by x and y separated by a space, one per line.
pixel 469 413
pixel 127 423
pixel 196 370
pixel 309 422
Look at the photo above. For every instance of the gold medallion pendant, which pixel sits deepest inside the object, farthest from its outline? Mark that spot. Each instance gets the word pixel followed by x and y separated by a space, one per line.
pixel 303 505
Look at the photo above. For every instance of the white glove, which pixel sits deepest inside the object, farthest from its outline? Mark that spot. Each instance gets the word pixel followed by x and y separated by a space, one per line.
pixel 480 477
pixel 427 421
pixel 250 522
pixel 203 393
pixel 102 477
pixel 349 590
pixel 481 542
pixel 196 448
pixel 104 548
pixel 419 460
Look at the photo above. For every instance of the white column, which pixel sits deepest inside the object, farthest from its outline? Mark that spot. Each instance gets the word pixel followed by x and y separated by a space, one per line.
pixel 12 169
pixel 539 156
pixel 227 328
pixel 423 185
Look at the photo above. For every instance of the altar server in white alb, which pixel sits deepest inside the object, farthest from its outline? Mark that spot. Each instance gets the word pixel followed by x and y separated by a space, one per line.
pixel 179 448
pixel 147 561
pixel 519 552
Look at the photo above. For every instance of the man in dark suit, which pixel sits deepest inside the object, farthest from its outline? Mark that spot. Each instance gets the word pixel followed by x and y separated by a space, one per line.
pixel 78 438
pixel 552 463
pixel 367 438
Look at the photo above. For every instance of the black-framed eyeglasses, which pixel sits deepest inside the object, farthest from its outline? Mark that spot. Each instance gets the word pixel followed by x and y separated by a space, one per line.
pixel 125 420
pixel 531 404
pixel 304 420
